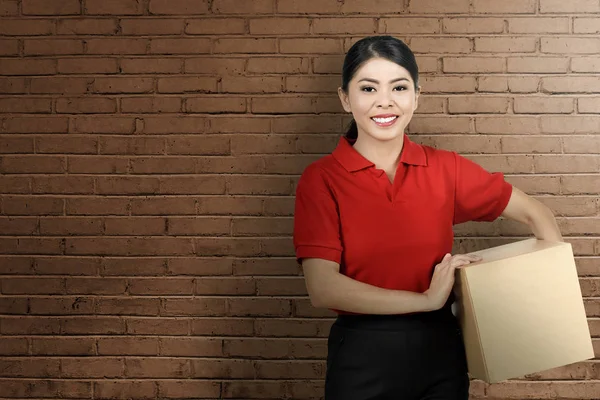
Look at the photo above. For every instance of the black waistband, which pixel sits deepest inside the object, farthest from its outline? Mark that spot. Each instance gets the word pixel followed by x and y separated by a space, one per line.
pixel 425 320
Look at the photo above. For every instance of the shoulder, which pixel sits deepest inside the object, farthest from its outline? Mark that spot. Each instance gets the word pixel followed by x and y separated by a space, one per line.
pixel 318 173
pixel 439 158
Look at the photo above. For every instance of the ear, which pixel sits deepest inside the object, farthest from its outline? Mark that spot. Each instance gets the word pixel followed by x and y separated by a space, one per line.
pixel 417 93
pixel 344 99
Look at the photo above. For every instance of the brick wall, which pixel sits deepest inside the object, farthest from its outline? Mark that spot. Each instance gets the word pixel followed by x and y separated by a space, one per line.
pixel 150 150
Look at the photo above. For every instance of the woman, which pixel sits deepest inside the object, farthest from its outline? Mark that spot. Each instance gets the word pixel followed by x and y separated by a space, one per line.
pixel 373 232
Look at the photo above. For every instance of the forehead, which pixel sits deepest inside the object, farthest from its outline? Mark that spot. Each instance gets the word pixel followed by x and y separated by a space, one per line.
pixel 381 69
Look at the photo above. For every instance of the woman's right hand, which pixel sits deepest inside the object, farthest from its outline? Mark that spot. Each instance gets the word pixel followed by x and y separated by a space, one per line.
pixel 442 280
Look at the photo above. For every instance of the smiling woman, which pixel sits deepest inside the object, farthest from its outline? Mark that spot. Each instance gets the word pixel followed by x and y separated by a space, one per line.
pixel 373 230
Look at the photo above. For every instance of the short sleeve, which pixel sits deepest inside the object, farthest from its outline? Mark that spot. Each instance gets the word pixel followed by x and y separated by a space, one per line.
pixel 479 194
pixel 316 219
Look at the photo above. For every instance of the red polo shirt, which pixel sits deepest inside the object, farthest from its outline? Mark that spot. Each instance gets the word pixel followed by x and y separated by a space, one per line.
pixel 391 235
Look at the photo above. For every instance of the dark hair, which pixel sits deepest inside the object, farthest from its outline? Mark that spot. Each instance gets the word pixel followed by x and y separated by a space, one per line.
pixel 386 47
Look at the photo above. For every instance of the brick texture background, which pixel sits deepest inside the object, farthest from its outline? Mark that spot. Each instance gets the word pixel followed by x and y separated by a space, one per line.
pixel 149 154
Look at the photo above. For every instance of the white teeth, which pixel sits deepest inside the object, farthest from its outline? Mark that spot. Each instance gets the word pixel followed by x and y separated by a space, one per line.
pixel 384 120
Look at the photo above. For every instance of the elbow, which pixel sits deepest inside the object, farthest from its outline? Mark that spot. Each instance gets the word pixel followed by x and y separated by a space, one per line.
pixel 318 300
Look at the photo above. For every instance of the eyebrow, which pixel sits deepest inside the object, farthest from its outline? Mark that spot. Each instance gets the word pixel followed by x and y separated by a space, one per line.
pixel 376 81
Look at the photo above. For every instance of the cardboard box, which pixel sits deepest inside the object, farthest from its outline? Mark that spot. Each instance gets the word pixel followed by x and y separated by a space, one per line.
pixel 521 310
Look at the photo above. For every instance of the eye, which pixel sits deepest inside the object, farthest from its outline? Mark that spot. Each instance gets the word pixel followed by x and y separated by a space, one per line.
pixel 400 88
pixel 368 89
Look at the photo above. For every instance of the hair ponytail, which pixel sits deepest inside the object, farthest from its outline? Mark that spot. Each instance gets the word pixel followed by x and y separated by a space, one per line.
pixel 352 132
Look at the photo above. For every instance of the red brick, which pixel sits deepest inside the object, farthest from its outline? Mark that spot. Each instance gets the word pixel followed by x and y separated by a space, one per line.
pixel 543 105
pixel 15 185
pixel 16 144
pixel 129 246
pixel 570 124
pixel 114 7
pixel 61 306
pixel 312 84
pixel 440 45
pixel 239 124
pixel 536 184
pixel 538 64
pixel 163 205
pixel 149 26
pixel 158 326
pixel 574 6
pixel 26 27
pixel 163 165
pixel 236 7
pixel 9 47
pixel 124 389
pixel 131 145
pixel 86 105
pixel 87 26
pixel 507 125
pixel 157 368
pixel 422 124
pixel 214 66
pixel 29 368
pixel 18 226
pixel 137 266
pixel 310 46
pixel 87 66
pixel 96 286
pixel 92 325
pixel 12 85
pixel 211 286
pixel 151 66
pixel 286 370
pixel 232 84
pixel 174 125
pixel 34 164
pixel 211 26
pixel 63 346
pixel 506 7
pixel 570 45
pixel 199 226
pixel 473 64
pixel 180 46
pixel 37 205
pixel 128 306
pixel 277 247
pixel 33 286
pixel 211 104
pixel 403 25
pixel 303 308
pixel 92 367
pixel 10 305
pixel 200 266
pixel 477 105
pixel 256 307
pixel 173 389
pixel 236 205
pixel 70 226
pixel 586 25
pixel 309 7
pixel 256 389
pixel 47 387
pixel 14 346
pixel 151 105
pixel 278 206
pixel 265 185
pixel 9 7
pixel 191 347
pixel 343 25
pixel 25 105
pixel 449 84
pixel 287 65
pixel 103 124
pixel 506 44
pixel 38 47
pixel 134 226
pixel 43 7
pixel 266 266
pixel 97 165
pixel 238 45
pixel 264 144
pixel 161 286
pixel 533 144
pixel 571 84
pixel 579 184
pixel 66 266
pixel 292 286
pixel 139 346
pixel 199 84
pixel 123 85
pixel 10 265
pixel 473 25
pixel 97 206
pixel 278 26
pixel 117 46
pixel 538 24
pixel 431 6
pixel 179 7
pixel 588 105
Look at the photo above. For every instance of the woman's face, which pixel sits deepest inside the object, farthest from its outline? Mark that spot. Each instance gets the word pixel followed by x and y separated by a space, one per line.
pixel 382 98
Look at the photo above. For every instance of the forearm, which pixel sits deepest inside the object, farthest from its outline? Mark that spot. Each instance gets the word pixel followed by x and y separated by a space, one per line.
pixel 543 225
pixel 358 297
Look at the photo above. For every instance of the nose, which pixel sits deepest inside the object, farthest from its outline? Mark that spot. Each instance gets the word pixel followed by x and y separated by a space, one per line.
pixel 384 100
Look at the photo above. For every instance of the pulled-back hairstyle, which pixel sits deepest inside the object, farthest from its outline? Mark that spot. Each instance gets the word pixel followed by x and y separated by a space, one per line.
pixel 386 47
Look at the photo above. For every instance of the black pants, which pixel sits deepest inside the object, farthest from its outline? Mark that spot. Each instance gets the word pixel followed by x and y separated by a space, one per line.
pixel 401 357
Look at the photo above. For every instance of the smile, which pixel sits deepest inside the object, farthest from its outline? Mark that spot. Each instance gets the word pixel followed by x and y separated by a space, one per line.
pixel 385 121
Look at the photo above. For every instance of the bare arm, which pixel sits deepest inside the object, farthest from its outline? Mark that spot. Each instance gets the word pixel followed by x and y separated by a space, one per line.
pixel 539 217
pixel 328 288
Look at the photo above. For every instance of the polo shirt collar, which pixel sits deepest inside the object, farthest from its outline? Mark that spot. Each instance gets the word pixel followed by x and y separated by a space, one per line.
pixel 352 160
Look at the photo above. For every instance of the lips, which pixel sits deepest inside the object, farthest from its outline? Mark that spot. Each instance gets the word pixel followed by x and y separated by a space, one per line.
pixel 385 120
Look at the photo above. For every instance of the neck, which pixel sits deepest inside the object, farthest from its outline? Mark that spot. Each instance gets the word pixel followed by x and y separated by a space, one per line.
pixel 384 154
